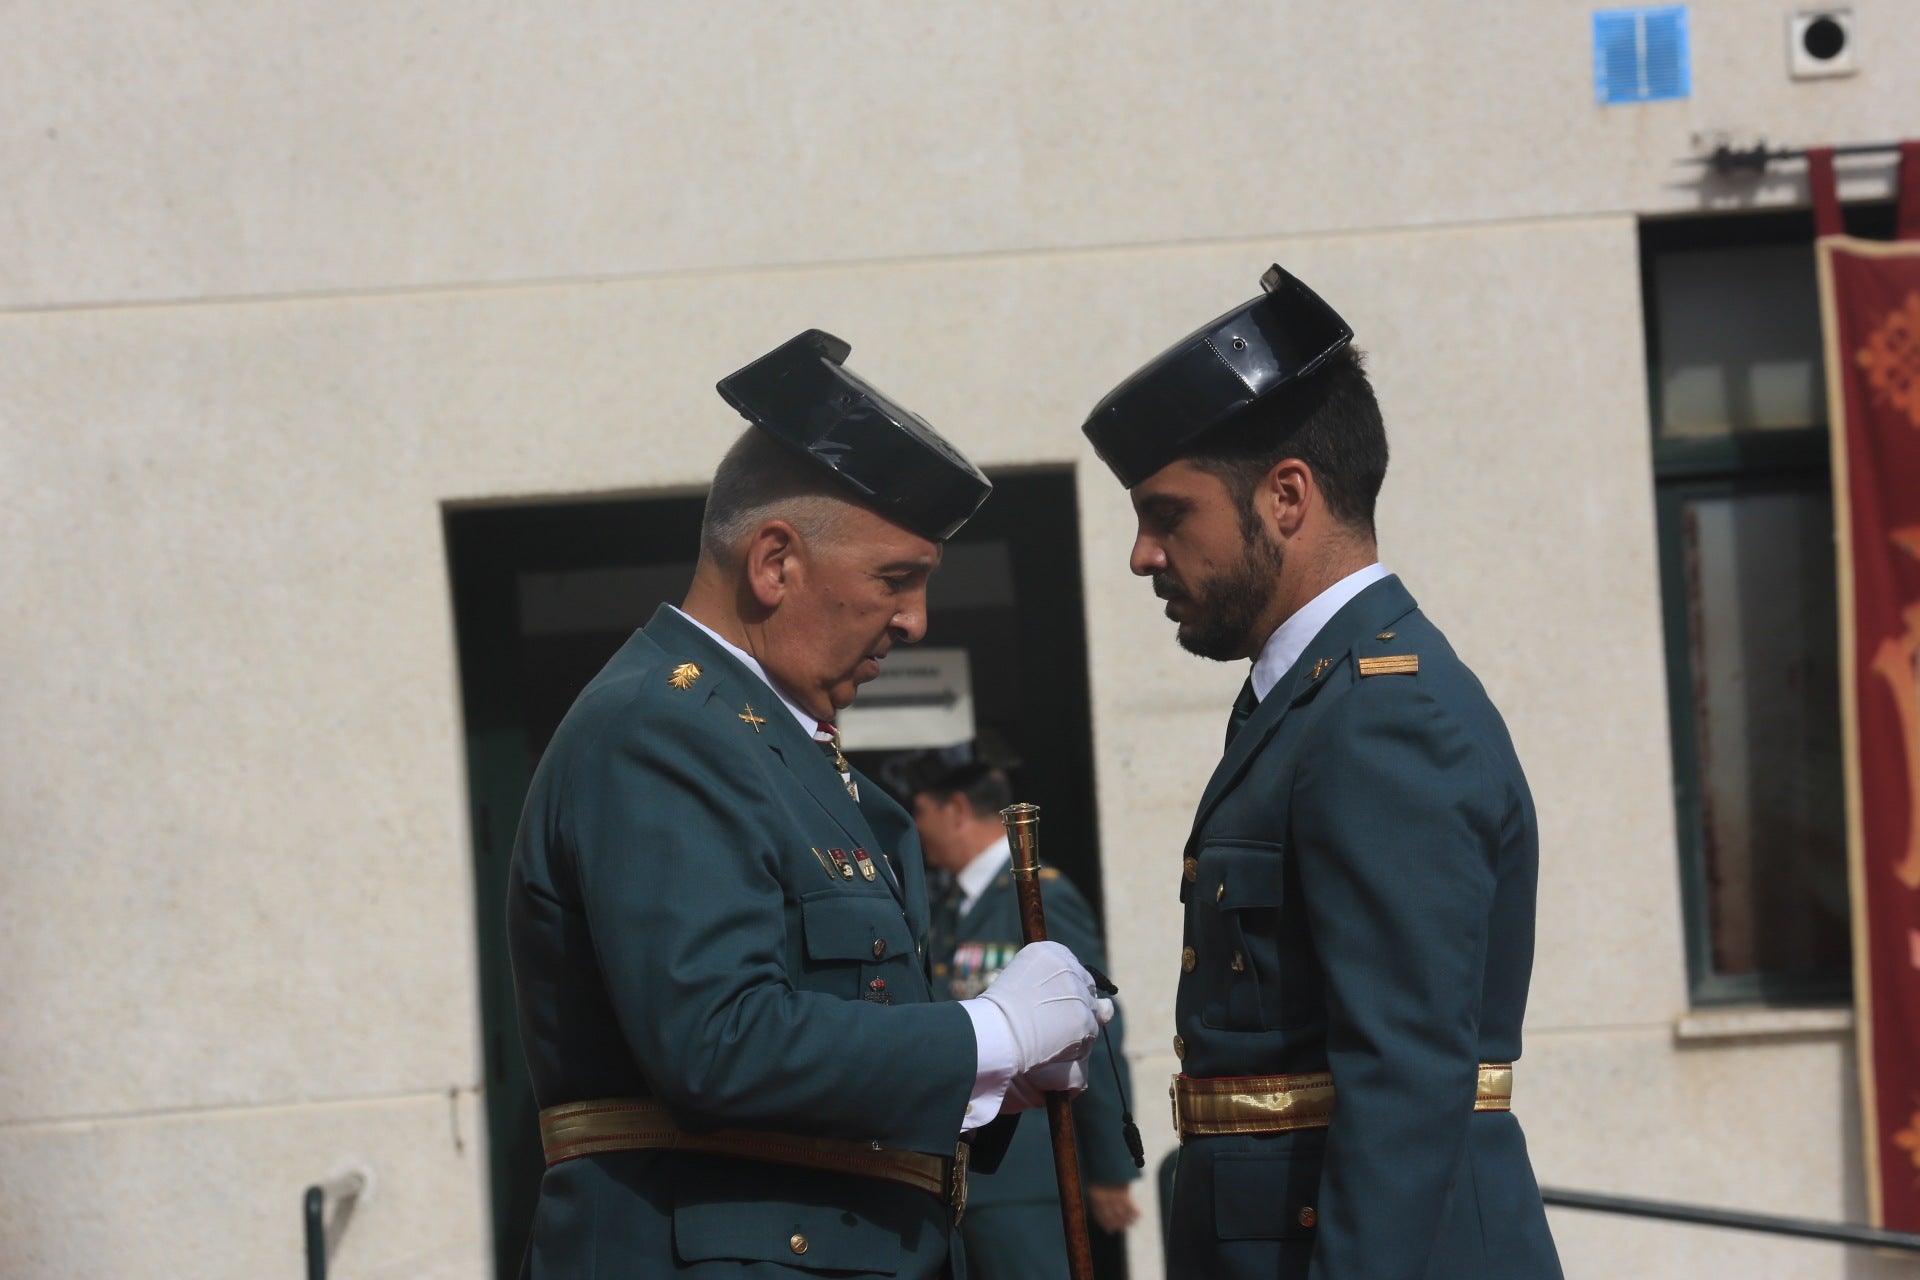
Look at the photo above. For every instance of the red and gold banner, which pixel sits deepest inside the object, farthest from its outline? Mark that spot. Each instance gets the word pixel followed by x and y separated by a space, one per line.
pixel 1870 309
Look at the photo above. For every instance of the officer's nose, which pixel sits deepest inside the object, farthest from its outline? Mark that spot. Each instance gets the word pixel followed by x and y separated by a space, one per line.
pixel 1148 557
pixel 909 625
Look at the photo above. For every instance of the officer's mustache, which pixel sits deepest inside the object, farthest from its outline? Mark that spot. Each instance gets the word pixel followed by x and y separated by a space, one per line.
pixel 1163 586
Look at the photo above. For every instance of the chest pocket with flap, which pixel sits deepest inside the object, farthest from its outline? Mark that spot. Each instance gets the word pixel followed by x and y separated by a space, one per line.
pixel 1241 890
pixel 853 938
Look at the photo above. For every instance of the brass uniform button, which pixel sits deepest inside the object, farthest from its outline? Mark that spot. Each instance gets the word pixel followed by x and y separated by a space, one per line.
pixel 1190 868
pixel 798 1242
pixel 1188 959
pixel 1239 962
pixel 1180 1048
pixel 1307 1216
pixel 879 948
pixel 1221 892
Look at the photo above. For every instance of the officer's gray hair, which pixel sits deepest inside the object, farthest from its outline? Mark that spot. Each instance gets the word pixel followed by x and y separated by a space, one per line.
pixel 759 480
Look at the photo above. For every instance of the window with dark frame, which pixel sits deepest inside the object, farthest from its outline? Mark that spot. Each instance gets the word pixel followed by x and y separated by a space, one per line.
pixel 1740 461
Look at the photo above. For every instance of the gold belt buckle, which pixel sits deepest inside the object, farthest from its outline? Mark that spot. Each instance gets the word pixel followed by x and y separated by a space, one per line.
pixel 957 1192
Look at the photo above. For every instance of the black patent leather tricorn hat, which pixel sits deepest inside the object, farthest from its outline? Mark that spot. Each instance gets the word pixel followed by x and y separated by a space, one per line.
pixel 1209 376
pixel 802 394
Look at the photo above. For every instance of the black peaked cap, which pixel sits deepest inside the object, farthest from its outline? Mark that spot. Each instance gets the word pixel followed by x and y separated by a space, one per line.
pixel 802 394
pixel 1209 376
pixel 953 768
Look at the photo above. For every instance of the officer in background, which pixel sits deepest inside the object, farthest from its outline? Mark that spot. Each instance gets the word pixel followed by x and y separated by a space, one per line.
pixel 1358 887
pixel 1013 1227
pixel 718 928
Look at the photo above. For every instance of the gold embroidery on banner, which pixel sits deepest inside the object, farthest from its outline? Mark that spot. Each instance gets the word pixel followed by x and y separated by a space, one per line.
pixel 1897 661
pixel 1403 664
pixel 1891 358
pixel 1908 1140
pixel 684 675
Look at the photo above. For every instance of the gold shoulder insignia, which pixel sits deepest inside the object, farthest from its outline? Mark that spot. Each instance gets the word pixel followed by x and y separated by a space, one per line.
pixel 1400 664
pixel 684 675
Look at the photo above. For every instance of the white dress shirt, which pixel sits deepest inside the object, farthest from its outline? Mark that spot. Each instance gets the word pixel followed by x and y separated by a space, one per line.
pixel 994 1058
pixel 1284 647
pixel 981 872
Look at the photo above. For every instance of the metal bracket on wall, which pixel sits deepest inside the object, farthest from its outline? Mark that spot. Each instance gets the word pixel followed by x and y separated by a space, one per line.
pixel 343 1193
pixel 1728 161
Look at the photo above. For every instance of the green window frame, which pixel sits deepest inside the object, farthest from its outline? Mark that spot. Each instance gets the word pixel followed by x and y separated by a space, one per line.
pixel 1727 467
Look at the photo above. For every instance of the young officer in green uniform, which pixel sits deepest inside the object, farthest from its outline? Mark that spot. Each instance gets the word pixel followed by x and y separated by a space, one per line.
pixel 1358 886
pixel 1012 1228
pixel 718 929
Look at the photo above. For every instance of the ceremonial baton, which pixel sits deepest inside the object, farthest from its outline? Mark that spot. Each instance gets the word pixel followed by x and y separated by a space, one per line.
pixel 1023 834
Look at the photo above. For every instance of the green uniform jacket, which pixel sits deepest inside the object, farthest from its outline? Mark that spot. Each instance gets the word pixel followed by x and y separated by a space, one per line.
pixel 981 944
pixel 1359 898
pixel 674 935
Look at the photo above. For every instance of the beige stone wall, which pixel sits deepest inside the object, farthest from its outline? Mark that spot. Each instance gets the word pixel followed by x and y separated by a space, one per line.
pixel 278 281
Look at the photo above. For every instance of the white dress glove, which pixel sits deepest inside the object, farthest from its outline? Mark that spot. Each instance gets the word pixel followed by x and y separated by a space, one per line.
pixel 1029 1091
pixel 1050 1005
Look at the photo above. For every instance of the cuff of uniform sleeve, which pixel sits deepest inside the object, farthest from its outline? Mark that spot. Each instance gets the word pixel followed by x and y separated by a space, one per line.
pixel 994 1063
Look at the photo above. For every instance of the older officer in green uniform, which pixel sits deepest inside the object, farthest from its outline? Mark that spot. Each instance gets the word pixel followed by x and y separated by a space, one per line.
pixel 1012 1228
pixel 718 928
pixel 1358 886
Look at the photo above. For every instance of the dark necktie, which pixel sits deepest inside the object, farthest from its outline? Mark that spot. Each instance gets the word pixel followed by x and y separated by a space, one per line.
pixel 1243 709
pixel 945 925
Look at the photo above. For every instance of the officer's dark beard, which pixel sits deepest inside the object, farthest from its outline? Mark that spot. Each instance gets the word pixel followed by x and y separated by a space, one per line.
pixel 1227 607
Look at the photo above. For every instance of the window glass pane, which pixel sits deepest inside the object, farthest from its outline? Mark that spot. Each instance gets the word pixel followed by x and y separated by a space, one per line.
pixel 1738 337
pixel 1761 636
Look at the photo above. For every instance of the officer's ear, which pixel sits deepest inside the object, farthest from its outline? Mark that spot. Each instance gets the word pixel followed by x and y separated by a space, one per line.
pixel 958 809
pixel 1285 496
pixel 771 561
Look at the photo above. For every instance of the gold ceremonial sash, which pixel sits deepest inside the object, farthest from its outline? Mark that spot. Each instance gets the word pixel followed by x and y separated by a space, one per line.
pixel 1206 1107
pixel 576 1129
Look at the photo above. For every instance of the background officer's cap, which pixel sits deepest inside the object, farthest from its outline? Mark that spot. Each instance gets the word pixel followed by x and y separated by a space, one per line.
pixel 803 394
pixel 945 770
pixel 1206 378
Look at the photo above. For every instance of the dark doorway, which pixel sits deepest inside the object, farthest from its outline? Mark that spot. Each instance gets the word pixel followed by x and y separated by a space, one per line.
pixel 543 595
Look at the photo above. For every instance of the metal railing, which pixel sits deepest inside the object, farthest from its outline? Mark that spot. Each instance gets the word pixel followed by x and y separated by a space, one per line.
pixel 343 1193
pixel 1771 1224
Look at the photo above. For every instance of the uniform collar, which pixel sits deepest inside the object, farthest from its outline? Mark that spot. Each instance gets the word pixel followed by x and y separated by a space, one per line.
pixel 973 879
pixel 751 663
pixel 1291 638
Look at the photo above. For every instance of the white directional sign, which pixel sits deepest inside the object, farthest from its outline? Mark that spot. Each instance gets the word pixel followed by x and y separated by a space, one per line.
pixel 922 698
